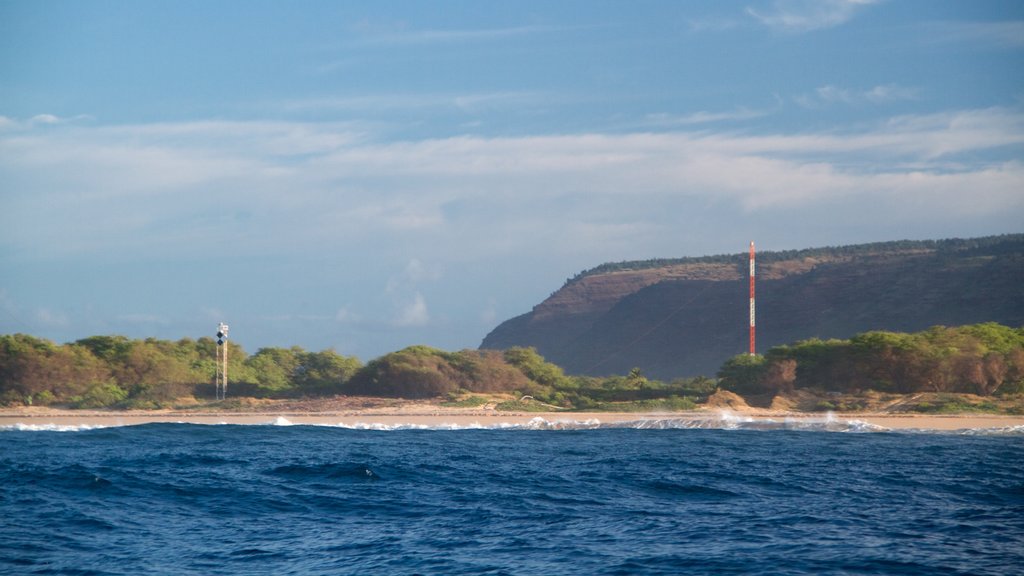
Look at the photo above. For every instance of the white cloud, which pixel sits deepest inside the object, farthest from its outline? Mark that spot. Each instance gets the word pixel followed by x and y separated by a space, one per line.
pixel 467 103
pixel 403 290
pixel 881 94
pixel 403 36
pixel 712 24
pixel 1007 34
pixel 50 318
pixel 346 316
pixel 139 318
pixel 414 313
pixel 705 117
pixel 808 15
pixel 178 189
pixel 44 119
pixel 891 93
pixel 7 123
pixel 414 273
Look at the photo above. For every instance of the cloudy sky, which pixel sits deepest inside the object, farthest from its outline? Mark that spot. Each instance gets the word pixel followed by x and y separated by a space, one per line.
pixel 371 175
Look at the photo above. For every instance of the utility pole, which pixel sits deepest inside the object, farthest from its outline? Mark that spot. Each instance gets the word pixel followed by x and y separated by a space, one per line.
pixel 222 361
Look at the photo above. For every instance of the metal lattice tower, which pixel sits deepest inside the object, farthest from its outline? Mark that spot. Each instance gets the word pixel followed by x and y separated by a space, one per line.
pixel 222 361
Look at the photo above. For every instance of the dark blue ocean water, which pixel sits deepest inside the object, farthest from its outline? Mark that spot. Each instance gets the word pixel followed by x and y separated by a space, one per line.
pixel 195 499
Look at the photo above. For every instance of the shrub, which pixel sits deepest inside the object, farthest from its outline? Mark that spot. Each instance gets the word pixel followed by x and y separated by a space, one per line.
pixel 742 374
pixel 44 398
pixel 824 406
pixel 102 395
pixel 522 406
pixel 469 402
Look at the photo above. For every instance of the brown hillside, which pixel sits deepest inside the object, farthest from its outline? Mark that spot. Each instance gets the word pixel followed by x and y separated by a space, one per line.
pixel 686 317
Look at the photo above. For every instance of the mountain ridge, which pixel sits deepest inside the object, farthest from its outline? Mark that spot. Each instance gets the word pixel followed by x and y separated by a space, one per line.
pixel 686 316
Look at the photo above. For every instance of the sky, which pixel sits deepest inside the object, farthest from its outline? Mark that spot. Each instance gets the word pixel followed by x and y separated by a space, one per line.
pixel 366 176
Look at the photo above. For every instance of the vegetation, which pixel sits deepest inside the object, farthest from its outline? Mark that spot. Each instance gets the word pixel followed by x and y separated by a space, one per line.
pixel 983 359
pixel 424 372
pixel 116 372
pixel 988 244
pixel 468 402
pixel 526 404
pixel 669 404
pixel 954 404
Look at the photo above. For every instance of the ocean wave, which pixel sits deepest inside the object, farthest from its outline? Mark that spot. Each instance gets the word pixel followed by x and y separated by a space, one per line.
pixel 1003 431
pixel 20 427
pixel 722 421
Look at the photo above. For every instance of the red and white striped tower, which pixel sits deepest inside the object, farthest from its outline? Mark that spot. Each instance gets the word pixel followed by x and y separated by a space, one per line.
pixel 752 348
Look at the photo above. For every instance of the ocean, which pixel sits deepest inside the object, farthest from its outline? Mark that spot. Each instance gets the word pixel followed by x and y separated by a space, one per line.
pixel 538 499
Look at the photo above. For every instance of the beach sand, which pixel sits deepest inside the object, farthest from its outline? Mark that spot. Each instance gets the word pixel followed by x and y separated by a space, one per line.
pixel 429 416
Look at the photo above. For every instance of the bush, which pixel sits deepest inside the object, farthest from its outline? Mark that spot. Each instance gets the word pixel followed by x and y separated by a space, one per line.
pixel 954 405
pixel 12 398
pixel 469 402
pixel 414 372
pixel 699 387
pixel 522 406
pixel 104 395
pixel 670 404
pixel 742 374
pixel 43 398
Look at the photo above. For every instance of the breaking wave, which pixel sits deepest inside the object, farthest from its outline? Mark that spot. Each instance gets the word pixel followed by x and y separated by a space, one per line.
pixel 19 427
pixel 721 421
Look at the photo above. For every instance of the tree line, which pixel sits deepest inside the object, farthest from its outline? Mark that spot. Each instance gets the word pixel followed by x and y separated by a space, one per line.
pixel 984 359
pixel 115 371
pixel 118 372
pixel 963 247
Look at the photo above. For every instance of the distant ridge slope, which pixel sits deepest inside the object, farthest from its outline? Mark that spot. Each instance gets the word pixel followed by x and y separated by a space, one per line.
pixel 686 316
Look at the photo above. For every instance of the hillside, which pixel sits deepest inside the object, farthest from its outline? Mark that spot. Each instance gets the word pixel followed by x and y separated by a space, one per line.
pixel 685 317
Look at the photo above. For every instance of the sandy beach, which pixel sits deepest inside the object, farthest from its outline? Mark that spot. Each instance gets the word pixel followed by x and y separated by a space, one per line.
pixel 429 416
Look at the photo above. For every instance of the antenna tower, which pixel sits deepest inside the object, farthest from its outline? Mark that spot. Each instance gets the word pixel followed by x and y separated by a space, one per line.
pixel 222 361
pixel 752 348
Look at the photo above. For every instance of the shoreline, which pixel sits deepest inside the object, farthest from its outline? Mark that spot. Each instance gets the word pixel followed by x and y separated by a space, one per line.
pixel 428 416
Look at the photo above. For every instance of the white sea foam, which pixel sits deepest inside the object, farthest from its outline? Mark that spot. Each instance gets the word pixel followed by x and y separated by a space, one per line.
pixel 724 421
pixel 1003 431
pixel 19 427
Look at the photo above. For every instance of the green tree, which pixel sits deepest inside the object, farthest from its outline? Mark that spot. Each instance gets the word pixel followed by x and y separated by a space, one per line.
pixel 33 369
pixel 742 374
pixel 324 372
pixel 274 369
pixel 100 395
pixel 535 367
pixel 413 372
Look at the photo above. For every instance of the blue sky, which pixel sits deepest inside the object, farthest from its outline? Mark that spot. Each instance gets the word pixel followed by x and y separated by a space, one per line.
pixel 371 175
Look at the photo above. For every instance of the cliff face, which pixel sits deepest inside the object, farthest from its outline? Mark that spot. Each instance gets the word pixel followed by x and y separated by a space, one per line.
pixel 686 317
